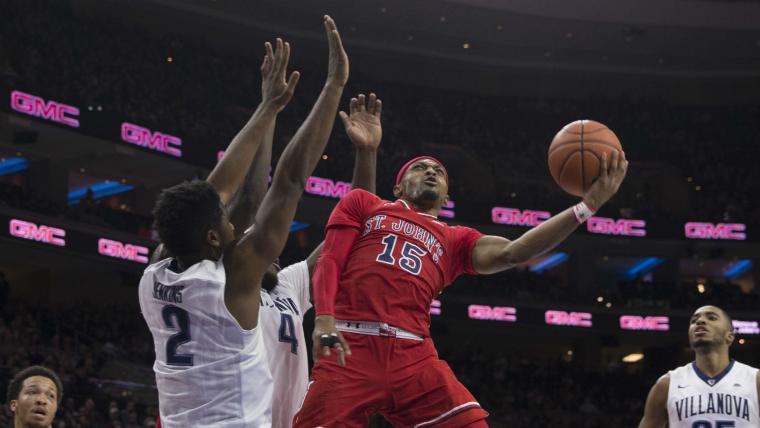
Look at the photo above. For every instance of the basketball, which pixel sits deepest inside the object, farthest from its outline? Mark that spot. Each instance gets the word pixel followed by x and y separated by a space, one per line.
pixel 575 154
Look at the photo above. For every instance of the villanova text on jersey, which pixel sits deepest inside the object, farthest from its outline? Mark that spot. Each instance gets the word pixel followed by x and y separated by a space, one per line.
pixel 714 404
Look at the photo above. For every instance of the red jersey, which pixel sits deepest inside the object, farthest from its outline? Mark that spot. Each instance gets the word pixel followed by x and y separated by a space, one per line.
pixel 401 260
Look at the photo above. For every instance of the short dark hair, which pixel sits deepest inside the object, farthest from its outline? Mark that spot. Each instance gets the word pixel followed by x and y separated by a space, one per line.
pixel 729 320
pixel 14 387
pixel 183 213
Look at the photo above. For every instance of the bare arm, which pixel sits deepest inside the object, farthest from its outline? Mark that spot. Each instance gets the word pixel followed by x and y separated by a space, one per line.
pixel 365 132
pixel 250 257
pixel 229 173
pixel 656 408
pixel 494 253
pixel 247 200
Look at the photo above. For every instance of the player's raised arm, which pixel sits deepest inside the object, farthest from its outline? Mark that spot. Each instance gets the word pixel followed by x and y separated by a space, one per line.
pixel 494 253
pixel 250 257
pixel 276 92
pixel 364 129
pixel 656 410
pixel 247 200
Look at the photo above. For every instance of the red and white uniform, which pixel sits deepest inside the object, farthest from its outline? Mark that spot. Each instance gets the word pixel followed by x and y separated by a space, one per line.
pixel 399 262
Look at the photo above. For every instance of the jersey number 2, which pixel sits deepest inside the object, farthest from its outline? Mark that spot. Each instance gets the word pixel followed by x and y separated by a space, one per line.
pixel 410 259
pixel 172 314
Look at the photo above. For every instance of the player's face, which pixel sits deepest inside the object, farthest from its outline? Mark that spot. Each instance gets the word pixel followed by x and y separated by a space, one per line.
pixel 424 180
pixel 709 327
pixel 36 403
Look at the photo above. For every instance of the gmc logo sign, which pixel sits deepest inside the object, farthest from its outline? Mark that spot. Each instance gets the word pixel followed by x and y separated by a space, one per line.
pixel 513 216
pixel 326 187
pixel 635 322
pixel 574 319
pixel 38 107
pixel 448 210
pixel 746 327
pixel 435 307
pixel 28 230
pixel 624 227
pixel 496 313
pixel 734 231
pixel 143 137
pixel 116 249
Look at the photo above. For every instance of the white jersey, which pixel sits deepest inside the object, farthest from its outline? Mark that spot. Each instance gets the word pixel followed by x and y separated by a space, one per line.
pixel 210 372
pixel 729 399
pixel 281 321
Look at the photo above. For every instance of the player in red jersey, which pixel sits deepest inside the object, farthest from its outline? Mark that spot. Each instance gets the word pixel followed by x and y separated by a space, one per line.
pixel 381 266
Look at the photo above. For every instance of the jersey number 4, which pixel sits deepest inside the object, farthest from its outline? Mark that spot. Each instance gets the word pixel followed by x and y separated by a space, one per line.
pixel 410 259
pixel 177 318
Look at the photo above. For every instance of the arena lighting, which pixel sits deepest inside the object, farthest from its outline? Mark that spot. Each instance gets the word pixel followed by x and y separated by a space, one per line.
pixel 652 323
pixel 435 307
pixel 144 137
pixel 448 210
pixel 99 190
pixel 119 250
pixel 573 319
pixel 13 165
pixel 732 231
pixel 549 262
pixel 633 358
pixel 621 227
pixel 746 327
pixel 41 233
pixel 644 266
pixel 737 268
pixel 496 313
pixel 53 111
pixel 517 217
pixel 295 226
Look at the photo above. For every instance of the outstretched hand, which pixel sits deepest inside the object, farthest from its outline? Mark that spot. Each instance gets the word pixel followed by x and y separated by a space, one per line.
pixel 326 337
pixel 337 69
pixel 275 89
pixel 610 178
pixel 363 123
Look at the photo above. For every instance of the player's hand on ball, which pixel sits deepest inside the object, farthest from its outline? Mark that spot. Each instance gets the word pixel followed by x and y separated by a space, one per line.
pixel 326 338
pixel 612 174
pixel 363 122
pixel 276 90
pixel 337 69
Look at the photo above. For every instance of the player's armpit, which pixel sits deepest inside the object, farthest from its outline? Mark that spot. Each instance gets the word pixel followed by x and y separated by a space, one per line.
pixel 656 410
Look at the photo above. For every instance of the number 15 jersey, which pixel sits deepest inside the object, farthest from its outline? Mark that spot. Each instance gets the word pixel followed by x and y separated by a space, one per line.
pixel 210 372
pixel 401 260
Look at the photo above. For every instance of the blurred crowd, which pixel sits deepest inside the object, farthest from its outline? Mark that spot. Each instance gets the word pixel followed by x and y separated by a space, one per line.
pixel 81 345
pixel 84 346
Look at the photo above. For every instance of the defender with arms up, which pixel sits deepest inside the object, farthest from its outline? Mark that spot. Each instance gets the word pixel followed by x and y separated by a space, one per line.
pixel 202 304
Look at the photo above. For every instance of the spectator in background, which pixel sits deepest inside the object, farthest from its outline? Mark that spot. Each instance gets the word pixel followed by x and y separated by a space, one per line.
pixel 33 397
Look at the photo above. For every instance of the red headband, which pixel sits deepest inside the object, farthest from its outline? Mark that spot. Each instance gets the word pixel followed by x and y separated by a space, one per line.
pixel 406 166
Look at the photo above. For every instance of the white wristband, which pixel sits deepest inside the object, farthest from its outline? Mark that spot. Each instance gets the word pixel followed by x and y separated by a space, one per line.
pixel 582 212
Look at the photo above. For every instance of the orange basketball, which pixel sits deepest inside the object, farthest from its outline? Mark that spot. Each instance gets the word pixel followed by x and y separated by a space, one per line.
pixel 575 155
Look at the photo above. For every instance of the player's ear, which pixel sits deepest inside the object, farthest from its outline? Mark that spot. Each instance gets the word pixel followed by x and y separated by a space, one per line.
pixel 213 238
pixel 13 405
pixel 397 191
pixel 730 337
pixel 446 199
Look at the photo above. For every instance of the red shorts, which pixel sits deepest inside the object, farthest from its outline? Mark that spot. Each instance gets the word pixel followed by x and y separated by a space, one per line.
pixel 401 379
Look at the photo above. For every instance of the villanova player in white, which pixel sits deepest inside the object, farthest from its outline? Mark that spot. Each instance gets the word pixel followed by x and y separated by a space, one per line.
pixel 714 391
pixel 202 304
pixel 286 294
